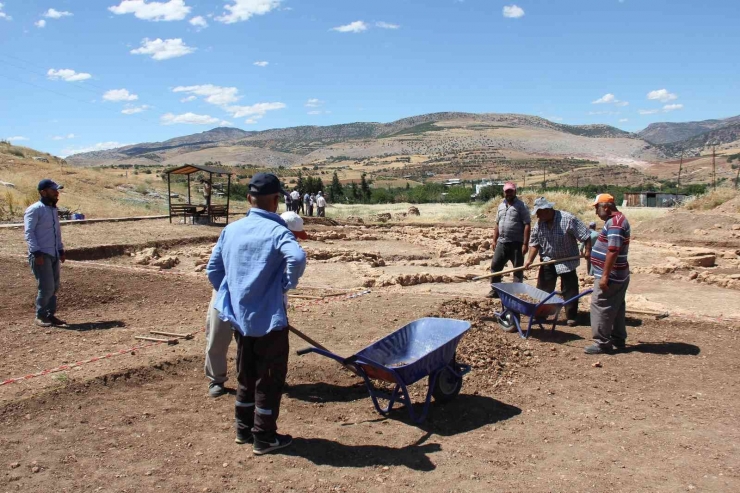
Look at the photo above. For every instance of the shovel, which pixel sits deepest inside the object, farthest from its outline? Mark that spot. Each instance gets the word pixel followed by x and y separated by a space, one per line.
pixel 517 269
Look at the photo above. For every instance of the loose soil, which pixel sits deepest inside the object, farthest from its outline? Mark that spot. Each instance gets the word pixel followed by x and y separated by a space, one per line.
pixel 535 414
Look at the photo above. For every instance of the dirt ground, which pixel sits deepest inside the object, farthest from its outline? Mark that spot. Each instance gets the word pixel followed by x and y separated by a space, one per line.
pixel 535 414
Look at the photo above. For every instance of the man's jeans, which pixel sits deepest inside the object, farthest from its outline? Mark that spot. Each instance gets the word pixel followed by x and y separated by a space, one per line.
pixel 47 278
pixel 506 252
pixel 218 338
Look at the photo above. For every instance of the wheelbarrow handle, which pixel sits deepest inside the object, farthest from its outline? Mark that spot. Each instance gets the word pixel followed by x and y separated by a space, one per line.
pixel 303 351
pixel 579 295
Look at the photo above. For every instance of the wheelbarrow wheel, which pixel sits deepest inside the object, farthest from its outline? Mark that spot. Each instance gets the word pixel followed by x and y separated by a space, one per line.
pixel 507 322
pixel 447 386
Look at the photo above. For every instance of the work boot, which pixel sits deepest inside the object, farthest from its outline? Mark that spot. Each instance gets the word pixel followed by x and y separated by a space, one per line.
pixel 571 323
pixel 56 322
pixel 243 437
pixel 216 389
pixel 597 349
pixel 42 322
pixel 619 345
pixel 492 294
pixel 277 442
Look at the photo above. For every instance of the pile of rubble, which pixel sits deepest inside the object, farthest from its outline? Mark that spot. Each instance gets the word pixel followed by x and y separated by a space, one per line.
pixel 151 256
pixel 413 279
pixel 496 357
pixel 338 256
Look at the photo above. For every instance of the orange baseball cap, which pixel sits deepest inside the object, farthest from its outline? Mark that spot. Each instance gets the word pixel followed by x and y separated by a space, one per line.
pixel 603 198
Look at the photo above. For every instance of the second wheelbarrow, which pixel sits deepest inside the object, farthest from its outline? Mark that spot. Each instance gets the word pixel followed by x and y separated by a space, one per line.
pixel 423 348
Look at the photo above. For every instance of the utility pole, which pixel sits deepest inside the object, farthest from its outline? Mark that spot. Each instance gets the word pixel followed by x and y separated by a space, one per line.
pixel 680 165
pixel 525 180
pixel 577 182
pixel 714 166
pixel 544 177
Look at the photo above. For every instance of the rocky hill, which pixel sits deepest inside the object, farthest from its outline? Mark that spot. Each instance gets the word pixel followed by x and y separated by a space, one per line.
pixel 667 133
pixel 435 133
pixel 695 145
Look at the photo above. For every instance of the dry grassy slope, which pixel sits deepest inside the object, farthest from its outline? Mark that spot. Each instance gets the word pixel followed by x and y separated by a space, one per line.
pixel 94 191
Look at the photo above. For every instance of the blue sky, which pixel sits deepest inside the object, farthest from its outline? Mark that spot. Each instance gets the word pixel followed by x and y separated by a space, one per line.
pixel 86 74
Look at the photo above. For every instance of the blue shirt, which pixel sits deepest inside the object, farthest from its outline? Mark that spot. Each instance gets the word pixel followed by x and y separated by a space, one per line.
pixel 256 260
pixel 42 230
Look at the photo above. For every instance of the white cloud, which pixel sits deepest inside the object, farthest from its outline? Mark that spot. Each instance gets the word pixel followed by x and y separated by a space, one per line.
pixel 213 94
pixel 55 14
pixel 188 99
pixel 117 95
pixel 250 121
pixel 242 10
pixel 606 98
pixel 386 25
pixel 261 64
pixel 40 23
pixel 315 112
pixel 3 15
pixel 622 103
pixel 67 75
pixel 648 112
pixel 622 120
pixel 100 146
pixel 661 95
pixel 314 103
pixel 135 109
pixel 190 119
pixel 163 49
pixel 513 12
pixel 672 107
pixel 199 22
pixel 173 10
pixel 62 137
pixel 255 111
pixel 352 27
pixel 16 138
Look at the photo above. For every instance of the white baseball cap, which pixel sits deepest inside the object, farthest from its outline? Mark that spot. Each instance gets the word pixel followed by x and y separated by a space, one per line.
pixel 295 224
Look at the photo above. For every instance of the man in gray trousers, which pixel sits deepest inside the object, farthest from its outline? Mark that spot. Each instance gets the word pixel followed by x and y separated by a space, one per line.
pixel 510 235
pixel 220 333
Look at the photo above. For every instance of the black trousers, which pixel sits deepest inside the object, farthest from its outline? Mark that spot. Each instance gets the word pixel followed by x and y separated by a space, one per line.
pixel 547 281
pixel 506 252
pixel 261 366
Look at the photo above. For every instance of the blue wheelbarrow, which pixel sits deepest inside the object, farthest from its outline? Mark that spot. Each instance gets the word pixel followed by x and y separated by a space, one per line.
pixel 514 306
pixel 423 348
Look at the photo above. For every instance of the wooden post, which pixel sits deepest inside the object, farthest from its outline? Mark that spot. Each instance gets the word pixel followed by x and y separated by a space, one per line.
pixel 737 176
pixel 714 167
pixel 209 200
pixel 169 197
pixel 680 166
pixel 228 194
pixel 189 189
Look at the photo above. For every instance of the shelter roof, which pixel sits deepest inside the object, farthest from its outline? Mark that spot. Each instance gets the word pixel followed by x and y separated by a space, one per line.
pixel 188 169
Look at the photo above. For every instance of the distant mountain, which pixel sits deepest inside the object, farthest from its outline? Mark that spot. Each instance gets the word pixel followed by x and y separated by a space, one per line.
pixel 288 146
pixel 696 144
pixel 666 133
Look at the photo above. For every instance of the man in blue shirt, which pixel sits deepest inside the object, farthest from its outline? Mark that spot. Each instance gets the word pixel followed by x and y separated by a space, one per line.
pixel 45 251
pixel 256 260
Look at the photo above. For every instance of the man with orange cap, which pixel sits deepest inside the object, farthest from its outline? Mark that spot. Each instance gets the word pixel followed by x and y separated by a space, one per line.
pixel 611 278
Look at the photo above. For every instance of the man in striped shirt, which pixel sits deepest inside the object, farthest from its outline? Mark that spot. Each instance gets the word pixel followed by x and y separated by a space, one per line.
pixel 611 278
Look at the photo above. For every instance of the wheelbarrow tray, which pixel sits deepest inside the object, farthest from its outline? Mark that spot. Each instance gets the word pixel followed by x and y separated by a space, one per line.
pixel 509 295
pixel 414 351
pixel 423 348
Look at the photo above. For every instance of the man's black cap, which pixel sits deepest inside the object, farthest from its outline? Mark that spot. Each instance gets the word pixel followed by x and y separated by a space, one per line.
pixel 265 184
pixel 47 183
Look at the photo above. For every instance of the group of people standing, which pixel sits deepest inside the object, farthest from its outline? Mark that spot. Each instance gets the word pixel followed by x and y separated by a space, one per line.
pixel 557 235
pixel 304 204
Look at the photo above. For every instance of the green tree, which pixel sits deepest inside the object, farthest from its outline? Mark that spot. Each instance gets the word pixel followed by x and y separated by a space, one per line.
pixel 299 183
pixel 355 193
pixel 336 192
pixel 365 188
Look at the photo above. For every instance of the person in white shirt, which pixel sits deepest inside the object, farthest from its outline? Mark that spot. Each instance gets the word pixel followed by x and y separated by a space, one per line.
pixel 295 197
pixel 320 205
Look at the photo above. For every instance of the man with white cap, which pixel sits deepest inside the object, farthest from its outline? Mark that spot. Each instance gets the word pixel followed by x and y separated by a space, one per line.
pixel 219 332
pixel 510 235
pixel 555 236
pixel 611 278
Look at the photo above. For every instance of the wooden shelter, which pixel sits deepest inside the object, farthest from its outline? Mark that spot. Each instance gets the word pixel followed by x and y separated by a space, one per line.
pixel 196 211
pixel 652 199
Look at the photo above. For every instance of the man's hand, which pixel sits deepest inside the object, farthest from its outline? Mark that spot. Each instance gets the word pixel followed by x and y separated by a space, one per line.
pixel 604 283
pixel 527 263
pixel 62 257
pixel 525 249
pixel 38 260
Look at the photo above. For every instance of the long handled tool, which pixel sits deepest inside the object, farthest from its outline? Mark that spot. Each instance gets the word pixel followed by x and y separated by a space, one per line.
pixel 517 269
pixel 306 338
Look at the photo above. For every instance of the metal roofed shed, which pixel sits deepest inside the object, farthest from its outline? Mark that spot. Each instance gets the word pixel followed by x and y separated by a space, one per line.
pixel 195 211
pixel 652 199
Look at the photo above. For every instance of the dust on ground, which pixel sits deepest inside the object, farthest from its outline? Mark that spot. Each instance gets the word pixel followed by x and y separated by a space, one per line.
pixel 533 414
